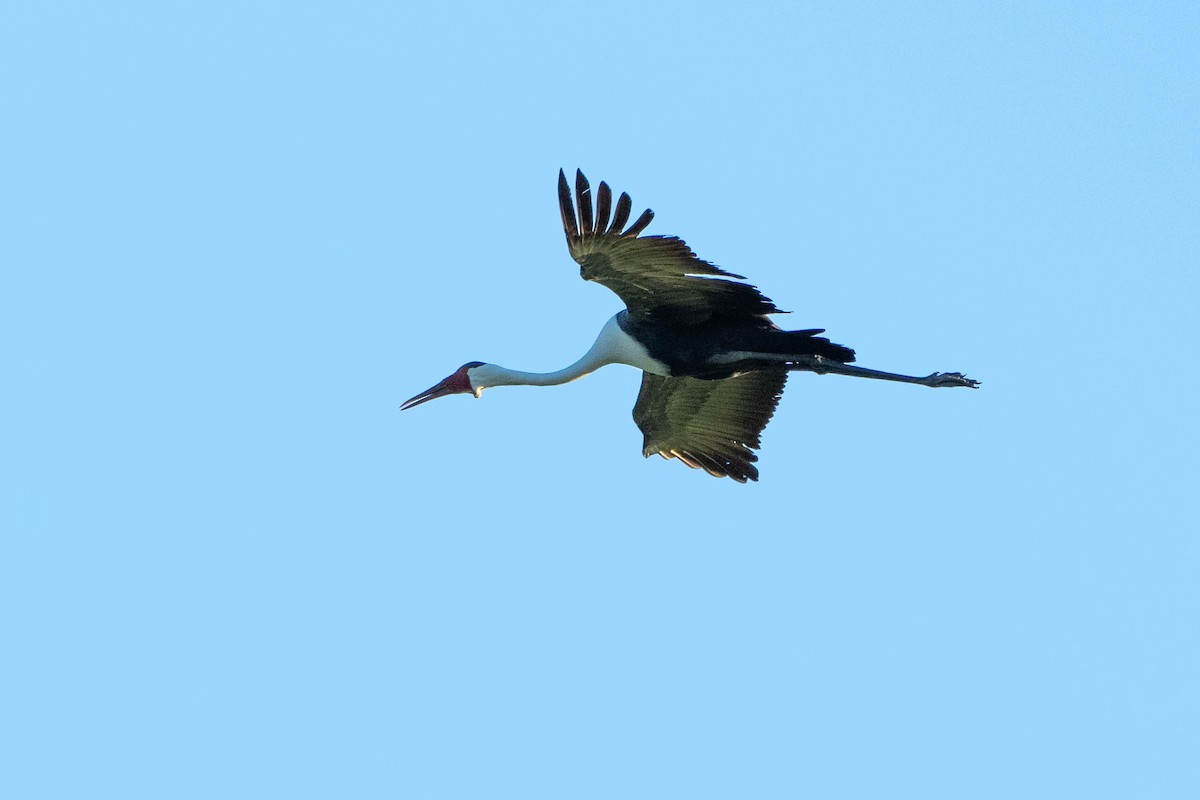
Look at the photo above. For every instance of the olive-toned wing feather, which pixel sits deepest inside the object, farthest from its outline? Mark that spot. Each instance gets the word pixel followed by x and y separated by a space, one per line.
pixel 658 277
pixel 709 425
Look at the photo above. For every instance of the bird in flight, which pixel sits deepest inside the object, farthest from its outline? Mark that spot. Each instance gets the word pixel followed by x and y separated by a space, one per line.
pixel 713 363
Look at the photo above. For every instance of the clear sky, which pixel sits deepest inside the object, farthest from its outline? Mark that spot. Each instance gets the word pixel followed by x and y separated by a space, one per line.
pixel 235 237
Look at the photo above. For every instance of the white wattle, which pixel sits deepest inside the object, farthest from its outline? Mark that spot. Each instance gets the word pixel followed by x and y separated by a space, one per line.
pixel 612 346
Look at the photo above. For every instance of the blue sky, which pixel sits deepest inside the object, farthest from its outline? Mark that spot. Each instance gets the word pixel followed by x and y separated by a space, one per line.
pixel 237 236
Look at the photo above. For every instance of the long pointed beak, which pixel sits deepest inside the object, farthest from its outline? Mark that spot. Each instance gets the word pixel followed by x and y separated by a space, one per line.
pixel 432 393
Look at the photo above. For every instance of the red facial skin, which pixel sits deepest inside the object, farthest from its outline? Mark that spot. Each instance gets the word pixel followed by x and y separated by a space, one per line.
pixel 458 383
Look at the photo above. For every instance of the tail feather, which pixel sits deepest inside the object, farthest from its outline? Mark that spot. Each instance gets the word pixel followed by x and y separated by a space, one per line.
pixel 808 343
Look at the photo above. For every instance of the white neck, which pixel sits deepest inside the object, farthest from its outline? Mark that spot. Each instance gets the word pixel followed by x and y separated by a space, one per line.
pixel 612 346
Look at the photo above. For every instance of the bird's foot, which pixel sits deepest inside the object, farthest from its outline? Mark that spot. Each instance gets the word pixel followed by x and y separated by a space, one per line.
pixel 940 379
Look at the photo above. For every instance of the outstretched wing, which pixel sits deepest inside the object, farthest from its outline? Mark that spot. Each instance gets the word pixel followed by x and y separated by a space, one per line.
pixel 709 425
pixel 658 277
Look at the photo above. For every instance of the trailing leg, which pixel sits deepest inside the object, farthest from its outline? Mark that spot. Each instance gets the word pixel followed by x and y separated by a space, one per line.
pixel 822 366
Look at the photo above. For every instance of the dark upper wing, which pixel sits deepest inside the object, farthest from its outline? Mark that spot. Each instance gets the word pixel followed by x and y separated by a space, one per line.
pixel 709 425
pixel 656 276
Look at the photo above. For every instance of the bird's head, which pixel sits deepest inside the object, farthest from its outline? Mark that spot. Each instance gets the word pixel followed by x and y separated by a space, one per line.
pixel 465 379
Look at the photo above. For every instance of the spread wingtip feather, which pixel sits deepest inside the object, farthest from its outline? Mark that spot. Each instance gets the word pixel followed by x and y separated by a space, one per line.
pixel 641 223
pixel 583 196
pixel 603 206
pixel 624 207
pixel 564 205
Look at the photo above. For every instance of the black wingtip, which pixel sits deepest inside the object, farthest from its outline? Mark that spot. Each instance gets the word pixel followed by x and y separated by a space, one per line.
pixel 603 207
pixel 583 196
pixel 624 206
pixel 570 226
pixel 641 223
pixel 586 223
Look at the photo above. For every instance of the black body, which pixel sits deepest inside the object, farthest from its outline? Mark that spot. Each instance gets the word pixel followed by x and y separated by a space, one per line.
pixel 688 350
